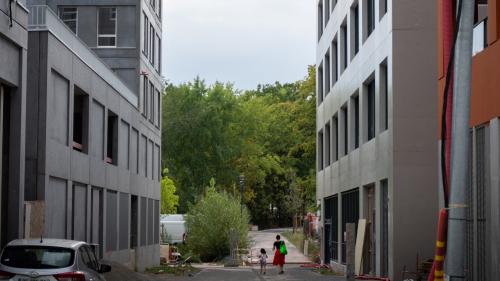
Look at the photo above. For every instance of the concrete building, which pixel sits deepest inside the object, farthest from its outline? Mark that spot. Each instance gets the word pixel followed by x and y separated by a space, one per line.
pixel 377 130
pixel 93 135
pixel 483 224
pixel 13 57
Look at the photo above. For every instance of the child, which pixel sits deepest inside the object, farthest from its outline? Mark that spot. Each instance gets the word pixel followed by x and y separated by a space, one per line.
pixel 263 261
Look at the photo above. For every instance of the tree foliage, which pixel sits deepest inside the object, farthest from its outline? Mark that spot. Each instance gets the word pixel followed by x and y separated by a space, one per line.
pixel 212 221
pixel 267 134
pixel 169 200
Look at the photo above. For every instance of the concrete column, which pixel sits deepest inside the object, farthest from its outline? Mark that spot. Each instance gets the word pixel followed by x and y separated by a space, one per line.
pixel 17 141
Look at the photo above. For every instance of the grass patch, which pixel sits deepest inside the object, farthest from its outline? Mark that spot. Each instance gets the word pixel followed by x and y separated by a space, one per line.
pixel 298 238
pixel 327 271
pixel 183 270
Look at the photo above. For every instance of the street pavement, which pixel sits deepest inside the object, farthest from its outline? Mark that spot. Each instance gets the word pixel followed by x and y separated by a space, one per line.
pixel 265 239
pixel 259 239
pixel 219 273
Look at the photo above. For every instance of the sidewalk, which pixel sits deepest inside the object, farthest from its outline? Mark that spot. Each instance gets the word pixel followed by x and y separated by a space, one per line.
pixel 265 239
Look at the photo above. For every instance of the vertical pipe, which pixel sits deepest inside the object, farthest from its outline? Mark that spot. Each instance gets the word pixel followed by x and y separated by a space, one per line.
pixel 460 143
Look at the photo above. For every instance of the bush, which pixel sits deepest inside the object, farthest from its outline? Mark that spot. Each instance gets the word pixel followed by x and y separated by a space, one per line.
pixel 210 222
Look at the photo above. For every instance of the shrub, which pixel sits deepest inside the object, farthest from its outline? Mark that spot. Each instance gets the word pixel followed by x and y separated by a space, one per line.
pixel 210 223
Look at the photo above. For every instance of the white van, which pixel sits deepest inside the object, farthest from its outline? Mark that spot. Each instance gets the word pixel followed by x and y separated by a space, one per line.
pixel 172 229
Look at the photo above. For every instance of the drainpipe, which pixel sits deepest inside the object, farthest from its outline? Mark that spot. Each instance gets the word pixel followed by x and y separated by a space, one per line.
pixel 460 143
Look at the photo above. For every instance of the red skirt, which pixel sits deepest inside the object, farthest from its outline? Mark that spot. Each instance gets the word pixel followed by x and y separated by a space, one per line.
pixel 279 259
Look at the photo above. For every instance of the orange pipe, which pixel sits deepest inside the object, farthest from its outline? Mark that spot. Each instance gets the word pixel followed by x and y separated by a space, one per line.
pixel 437 273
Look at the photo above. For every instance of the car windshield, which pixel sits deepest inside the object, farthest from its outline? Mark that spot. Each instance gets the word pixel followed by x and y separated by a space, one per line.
pixel 37 257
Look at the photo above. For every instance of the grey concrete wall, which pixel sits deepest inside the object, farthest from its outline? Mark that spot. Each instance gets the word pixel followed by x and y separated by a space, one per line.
pixel 13 59
pixel 415 132
pixel 405 154
pixel 59 167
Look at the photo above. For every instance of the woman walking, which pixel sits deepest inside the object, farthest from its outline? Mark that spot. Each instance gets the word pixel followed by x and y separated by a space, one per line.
pixel 279 257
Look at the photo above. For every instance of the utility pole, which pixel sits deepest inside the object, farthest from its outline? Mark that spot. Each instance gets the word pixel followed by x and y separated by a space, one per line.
pixel 460 142
pixel 242 185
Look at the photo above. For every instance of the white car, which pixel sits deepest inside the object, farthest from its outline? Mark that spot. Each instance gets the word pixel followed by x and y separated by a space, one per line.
pixel 50 260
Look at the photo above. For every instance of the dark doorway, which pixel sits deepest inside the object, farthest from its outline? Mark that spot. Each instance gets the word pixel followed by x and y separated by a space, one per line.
pixel 4 162
pixel 133 222
pixel 350 214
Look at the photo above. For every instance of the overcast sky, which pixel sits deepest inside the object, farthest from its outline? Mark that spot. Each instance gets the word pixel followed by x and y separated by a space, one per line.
pixel 247 42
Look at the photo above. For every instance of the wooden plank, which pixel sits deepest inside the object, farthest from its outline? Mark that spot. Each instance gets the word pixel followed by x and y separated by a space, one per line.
pixel 360 241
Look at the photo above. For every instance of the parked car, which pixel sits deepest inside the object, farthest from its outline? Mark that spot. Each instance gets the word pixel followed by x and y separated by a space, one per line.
pixel 50 260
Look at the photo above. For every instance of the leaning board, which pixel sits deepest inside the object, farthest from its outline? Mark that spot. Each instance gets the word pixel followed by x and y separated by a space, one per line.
pixel 360 241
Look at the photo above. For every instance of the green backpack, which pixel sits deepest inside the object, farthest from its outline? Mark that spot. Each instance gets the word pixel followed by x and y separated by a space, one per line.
pixel 283 250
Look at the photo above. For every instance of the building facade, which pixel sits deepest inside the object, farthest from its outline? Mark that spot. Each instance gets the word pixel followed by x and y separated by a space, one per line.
pixel 13 59
pixel 377 130
pixel 483 196
pixel 93 135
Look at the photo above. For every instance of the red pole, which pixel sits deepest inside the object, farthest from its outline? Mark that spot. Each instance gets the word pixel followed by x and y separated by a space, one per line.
pixel 448 31
pixel 438 265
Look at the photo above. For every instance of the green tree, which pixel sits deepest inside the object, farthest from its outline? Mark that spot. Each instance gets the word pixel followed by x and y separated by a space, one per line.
pixel 267 134
pixel 211 222
pixel 169 200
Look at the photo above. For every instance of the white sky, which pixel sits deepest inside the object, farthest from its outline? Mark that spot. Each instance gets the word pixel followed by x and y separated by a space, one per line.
pixel 247 42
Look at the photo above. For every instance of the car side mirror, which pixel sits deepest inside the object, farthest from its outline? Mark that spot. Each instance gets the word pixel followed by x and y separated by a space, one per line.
pixel 103 268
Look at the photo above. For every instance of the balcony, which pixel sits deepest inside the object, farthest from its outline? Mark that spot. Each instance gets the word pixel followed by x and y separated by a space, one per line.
pixel 480 36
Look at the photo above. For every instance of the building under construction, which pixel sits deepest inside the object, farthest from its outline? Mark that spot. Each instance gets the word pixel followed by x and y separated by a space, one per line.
pixel 482 253
pixel 377 130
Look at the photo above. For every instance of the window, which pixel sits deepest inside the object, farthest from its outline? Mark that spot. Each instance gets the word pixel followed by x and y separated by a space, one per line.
pixel 145 47
pixel 343 50
pixel 112 139
pixel 159 9
pixel 384 97
pixel 370 211
pixel 134 151
pixel 350 214
pixel 320 84
pixel 383 8
pixel 124 146
pixel 151 44
pixel 151 158
pixel 158 53
pixel 158 151
pixel 384 205
pixel 39 257
pixel 157 108
pixel 370 17
pixel 320 150
pixel 69 15
pixel 370 102
pixel 144 144
pixel 355 118
pixel 354 31
pixel 145 91
pixel 151 101
pixel 320 19
pixel 335 64
pixel 327 12
pixel 344 130
pixel 327 73
pixel 335 144
pixel 332 5
pixel 80 120
pixel 327 144
pixel 106 27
